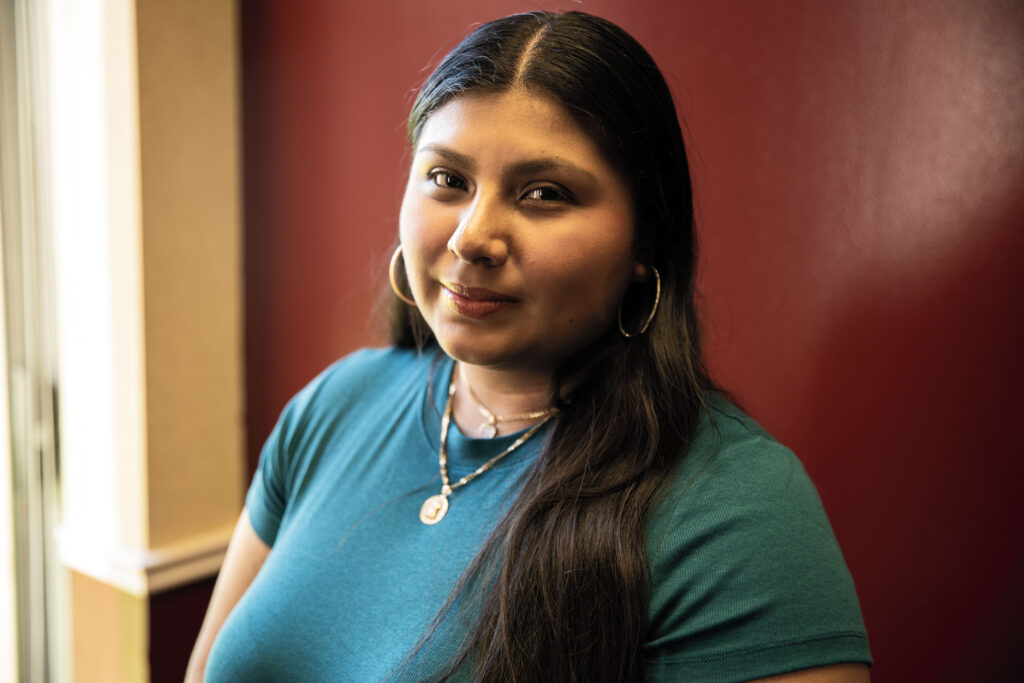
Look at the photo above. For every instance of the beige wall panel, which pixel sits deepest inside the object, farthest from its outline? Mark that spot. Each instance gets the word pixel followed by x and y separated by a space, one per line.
pixel 189 128
pixel 110 628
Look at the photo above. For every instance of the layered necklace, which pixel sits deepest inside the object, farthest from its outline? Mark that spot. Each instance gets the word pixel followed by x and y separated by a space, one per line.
pixel 435 507
pixel 489 429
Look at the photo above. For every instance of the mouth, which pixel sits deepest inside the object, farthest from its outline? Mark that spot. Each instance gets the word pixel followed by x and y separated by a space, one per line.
pixel 475 302
pixel 476 293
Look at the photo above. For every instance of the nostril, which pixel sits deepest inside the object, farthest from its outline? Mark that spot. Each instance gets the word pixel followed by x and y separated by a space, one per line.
pixel 455 246
pixel 481 234
pixel 478 249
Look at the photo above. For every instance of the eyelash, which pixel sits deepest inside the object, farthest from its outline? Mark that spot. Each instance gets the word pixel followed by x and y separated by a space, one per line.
pixel 562 194
pixel 437 173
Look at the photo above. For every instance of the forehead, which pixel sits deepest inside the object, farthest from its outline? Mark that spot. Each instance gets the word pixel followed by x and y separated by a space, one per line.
pixel 518 122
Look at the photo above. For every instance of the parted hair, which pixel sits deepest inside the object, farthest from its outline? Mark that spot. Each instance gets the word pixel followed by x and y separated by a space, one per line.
pixel 559 591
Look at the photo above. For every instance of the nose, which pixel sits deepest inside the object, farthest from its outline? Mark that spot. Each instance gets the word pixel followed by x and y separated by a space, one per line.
pixel 482 234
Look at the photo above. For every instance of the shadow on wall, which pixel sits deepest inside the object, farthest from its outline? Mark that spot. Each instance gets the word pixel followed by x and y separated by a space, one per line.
pixel 918 384
pixel 864 270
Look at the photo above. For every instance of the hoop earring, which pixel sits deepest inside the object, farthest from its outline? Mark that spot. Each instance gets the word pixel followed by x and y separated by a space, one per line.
pixel 394 282
pixel 650 316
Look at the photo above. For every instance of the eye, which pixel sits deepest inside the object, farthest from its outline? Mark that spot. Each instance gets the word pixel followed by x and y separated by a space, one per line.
pixel 549 193
pixel 446 180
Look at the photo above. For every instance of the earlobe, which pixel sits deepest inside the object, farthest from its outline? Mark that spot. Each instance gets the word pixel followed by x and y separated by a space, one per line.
pixel 641 273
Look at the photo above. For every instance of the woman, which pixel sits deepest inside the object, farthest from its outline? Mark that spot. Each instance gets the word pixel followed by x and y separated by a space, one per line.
pixel 538 481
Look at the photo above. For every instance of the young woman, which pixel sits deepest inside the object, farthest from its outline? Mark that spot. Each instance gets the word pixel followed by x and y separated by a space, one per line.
pixel 537 482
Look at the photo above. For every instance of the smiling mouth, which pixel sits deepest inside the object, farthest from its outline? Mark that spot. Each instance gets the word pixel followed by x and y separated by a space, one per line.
pixel 475 302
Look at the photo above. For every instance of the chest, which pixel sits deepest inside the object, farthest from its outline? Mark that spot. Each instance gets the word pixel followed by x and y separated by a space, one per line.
pixel 354 578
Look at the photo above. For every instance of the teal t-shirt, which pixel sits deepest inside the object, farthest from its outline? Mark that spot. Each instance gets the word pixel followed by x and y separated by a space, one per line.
pixel 747 578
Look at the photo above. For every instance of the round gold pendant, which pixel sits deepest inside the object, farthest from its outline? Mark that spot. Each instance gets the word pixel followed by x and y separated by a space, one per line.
pixel 434 509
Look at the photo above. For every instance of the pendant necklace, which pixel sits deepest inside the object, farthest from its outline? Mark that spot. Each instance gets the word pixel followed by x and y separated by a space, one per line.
pixel 489 429
pixel 435 507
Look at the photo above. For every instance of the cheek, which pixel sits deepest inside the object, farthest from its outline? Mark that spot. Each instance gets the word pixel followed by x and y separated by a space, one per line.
pixel 603 261
pixel 590 285
pixel 413 228
pixel 422 223
pixel 407 216
pixel 424 241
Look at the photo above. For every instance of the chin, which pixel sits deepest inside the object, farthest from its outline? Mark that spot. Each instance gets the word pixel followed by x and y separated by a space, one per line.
pixel 470 350
pixel 473 353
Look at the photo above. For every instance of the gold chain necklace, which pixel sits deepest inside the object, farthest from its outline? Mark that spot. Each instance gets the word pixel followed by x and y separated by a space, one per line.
pixel 489 429
pixel 435 508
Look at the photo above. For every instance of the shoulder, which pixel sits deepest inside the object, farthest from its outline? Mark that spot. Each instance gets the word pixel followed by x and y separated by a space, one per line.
pixel 374 367
pixel 345 402
pixel 734 464
pixel 745 569
pixel 368 374
pixel 365 382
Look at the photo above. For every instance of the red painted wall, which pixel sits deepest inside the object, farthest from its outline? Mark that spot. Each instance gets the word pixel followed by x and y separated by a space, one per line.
pixel 859 168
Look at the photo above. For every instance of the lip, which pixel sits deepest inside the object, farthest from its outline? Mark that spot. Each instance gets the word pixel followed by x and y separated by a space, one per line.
pixel 475 302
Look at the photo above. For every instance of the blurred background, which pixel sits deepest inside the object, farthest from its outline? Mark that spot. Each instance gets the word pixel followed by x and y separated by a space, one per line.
pixel 198 199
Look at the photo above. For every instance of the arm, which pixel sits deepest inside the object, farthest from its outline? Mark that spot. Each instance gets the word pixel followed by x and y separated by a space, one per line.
pixel 838 673
pixel 245 555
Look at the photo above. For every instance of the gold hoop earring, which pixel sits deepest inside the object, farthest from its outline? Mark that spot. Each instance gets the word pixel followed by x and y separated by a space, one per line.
pixel 650 316
pixel 394 282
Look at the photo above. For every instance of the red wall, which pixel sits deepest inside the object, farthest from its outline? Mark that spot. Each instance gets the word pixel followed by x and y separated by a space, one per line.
pixel 859 168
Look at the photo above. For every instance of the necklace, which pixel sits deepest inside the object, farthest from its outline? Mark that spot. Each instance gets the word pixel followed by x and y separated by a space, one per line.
pixel 435 507
pixel 489 429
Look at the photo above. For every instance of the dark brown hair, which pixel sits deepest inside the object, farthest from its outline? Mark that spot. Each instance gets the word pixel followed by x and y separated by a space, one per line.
pixel 559 592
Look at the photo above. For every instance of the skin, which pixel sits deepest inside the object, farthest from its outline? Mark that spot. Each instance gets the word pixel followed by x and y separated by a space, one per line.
pixel 505 193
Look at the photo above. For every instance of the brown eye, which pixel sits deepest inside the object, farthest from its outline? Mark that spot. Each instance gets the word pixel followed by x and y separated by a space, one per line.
pixel 446 180
pixel 548 193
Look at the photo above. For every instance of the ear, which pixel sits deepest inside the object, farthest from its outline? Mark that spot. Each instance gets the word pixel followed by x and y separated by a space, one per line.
pixel 644 253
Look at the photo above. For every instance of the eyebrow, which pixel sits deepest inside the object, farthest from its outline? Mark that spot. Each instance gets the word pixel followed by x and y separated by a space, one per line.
pixel 541 165
pixel 449 155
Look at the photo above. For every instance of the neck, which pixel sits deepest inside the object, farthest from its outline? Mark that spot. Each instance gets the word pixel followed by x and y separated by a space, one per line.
pixel 502 392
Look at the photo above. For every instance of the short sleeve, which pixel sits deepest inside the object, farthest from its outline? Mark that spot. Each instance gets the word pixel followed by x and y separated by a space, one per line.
pixel 272 483
pixel 267 494
pixel 747 577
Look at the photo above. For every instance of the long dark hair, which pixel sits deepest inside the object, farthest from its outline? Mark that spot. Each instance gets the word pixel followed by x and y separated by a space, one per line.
pixel 560 589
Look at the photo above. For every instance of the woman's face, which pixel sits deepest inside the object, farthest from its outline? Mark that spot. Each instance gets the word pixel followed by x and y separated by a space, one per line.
pixel 517 232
